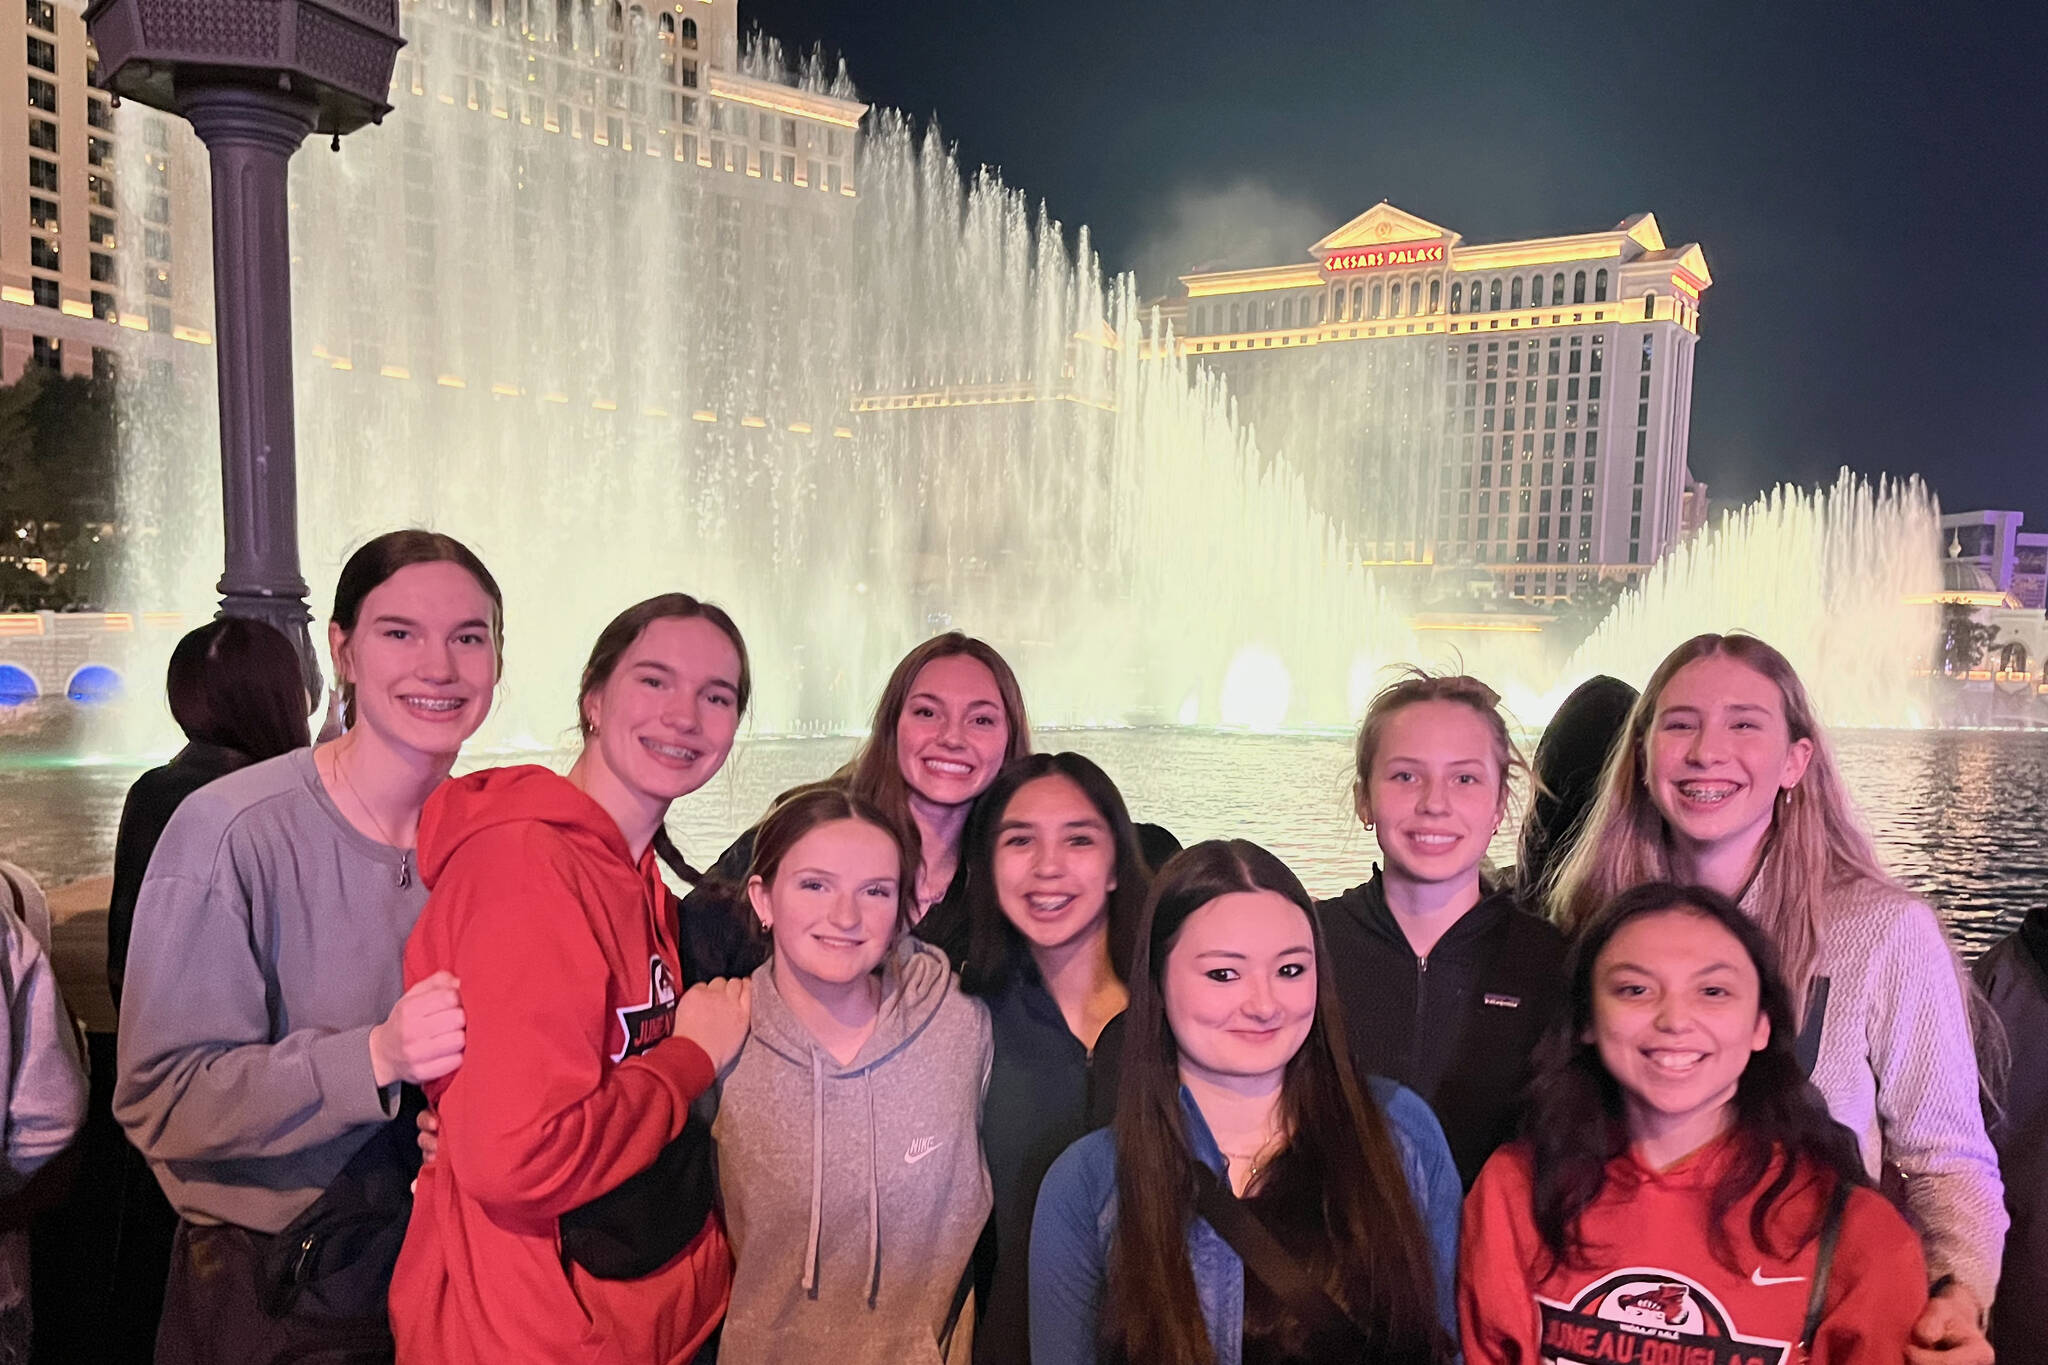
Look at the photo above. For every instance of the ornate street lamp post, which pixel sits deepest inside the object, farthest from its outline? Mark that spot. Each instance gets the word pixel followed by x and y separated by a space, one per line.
pixel 254 78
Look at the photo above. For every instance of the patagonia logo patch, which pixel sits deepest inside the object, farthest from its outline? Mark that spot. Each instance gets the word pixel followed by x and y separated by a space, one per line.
pixel 1506 1002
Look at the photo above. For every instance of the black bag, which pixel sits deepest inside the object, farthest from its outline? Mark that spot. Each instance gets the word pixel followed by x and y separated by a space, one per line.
pixel 636 1229
pixel 334 1261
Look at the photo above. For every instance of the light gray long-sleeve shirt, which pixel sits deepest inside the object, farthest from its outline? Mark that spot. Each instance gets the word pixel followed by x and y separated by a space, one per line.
pixel 45 1075
pixel 268 938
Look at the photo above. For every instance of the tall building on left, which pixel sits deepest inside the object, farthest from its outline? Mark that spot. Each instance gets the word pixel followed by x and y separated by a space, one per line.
pixel 66 301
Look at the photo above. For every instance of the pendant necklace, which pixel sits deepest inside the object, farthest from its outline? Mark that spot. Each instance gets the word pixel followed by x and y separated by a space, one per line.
pixel 404 878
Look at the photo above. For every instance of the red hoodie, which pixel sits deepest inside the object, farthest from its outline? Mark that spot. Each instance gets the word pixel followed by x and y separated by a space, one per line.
pixel 570 1083
pixel 1652 1293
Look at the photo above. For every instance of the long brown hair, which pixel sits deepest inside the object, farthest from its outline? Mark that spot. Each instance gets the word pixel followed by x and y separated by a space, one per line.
pixel 1370 1254
pixel 874 774
pixel 1818 849
pixel 994 947
pixel 1576 1123
pixel 237 683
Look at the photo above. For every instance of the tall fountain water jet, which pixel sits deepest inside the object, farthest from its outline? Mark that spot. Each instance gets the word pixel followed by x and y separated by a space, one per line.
pixel 1827 577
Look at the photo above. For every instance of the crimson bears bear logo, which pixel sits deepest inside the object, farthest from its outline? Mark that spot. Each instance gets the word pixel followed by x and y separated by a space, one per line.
pixel 646 1024
pixel 1646 1316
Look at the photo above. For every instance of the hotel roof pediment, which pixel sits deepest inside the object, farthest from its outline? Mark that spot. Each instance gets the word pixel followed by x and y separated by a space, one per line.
pixel 1382 225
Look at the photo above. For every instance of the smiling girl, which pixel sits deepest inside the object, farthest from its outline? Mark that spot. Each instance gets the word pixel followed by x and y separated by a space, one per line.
pixel 849 1151
pixel 1725 779
pixel 1680 1179
pixel 583 1057
pixel 949 718
pixel 264 1026
pixel 1445 987
pixel 1056 884
pixel 1235 1078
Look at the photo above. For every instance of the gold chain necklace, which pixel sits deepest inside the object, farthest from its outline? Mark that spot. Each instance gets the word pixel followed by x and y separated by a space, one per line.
pixel 1257 1160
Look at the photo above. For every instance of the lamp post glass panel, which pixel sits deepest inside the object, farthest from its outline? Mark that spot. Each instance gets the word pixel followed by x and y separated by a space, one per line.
pixel 254 78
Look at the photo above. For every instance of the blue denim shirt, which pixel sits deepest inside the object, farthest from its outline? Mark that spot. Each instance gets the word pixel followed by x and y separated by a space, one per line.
pixel 1077 1212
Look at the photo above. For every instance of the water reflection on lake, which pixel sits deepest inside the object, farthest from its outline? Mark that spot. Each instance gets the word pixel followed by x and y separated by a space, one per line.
pixel 1960 816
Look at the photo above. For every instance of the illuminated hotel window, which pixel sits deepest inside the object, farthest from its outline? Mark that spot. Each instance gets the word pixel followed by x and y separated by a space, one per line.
pixel 1457 297
pixel 1649 305
pixel 1436 295
pixel 1579 287
pixel 1649 347
pixel 1515 292
pixel 1598 342
pixel 1493 297
pixel 1557 287
pixel 1600 287
pixel 1536 291
pixel 1357 301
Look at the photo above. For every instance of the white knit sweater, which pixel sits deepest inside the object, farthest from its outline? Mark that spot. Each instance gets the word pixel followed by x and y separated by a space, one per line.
pixel 1898 1069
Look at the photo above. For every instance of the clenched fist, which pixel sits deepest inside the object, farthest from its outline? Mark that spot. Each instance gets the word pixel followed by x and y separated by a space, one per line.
pixel 422 1038
pixel 716 1017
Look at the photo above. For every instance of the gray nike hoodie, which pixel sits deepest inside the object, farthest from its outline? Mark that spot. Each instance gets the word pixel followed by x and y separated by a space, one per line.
pixel 854 1194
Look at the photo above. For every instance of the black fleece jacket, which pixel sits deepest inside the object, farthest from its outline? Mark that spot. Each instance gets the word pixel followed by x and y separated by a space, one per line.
pixel 1458 1028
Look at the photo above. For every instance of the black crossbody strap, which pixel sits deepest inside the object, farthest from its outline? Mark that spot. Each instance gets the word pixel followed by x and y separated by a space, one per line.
pixel 1806 1047
pixel 1830 1235
pixel 1264 1257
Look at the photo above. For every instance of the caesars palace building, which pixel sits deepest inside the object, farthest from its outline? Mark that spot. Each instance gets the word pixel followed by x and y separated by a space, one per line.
pixel 1520 408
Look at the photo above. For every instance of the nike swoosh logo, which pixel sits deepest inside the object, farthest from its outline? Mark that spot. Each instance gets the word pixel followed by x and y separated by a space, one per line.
pixel 1763 1281
pixel 921 1149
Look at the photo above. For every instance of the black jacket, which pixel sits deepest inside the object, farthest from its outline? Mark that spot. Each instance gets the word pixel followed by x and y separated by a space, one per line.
pixel 2014 976
pixel 1043 1090
pixel 151 801
pixel 1458 1028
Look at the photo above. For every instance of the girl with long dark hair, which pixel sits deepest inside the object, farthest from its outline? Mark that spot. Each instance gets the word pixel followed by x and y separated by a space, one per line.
pixel 265 1028
pixel 1055 886
pixel 1725 778
pixel 849 1153
pixel 1446 983
pixel 1238 1098
pixel 583 1057
pixel 1679 1181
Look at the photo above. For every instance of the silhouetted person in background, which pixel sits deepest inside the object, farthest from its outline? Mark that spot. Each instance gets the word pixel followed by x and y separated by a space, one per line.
pixel 1569 757
pixel 236 691
pixel 2014 977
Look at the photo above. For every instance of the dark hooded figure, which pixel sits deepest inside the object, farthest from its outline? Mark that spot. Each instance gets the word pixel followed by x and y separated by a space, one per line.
pixel 1569 758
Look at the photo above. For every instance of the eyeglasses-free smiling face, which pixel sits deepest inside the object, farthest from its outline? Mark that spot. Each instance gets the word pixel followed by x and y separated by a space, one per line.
pixel 665 719
pixel 953 733
pixel 421 657
pixel 1054 863
pixel 1676 1017
pixel 1436 794
pixel 834 906
pixel 1718 753
pixel 1239 986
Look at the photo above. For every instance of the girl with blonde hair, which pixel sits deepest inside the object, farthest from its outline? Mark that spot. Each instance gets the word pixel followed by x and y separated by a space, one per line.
pixel 1724 779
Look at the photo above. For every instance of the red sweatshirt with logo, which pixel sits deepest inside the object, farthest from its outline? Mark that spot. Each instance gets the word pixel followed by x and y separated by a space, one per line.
pixel 570 1082
pixel 1651 1291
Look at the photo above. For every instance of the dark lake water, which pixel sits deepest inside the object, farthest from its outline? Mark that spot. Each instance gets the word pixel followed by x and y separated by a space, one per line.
pixel 1960 816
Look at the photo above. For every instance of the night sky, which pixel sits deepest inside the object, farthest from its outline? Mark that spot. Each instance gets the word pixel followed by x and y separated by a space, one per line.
pixel 1869 181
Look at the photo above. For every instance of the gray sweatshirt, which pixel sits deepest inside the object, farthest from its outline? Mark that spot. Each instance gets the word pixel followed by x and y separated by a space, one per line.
pixel 45 1078
pixel 268 937
pixel 854 1194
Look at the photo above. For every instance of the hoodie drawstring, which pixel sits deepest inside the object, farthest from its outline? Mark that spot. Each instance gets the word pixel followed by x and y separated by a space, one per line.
pixel 874 1200
pixel 810 1278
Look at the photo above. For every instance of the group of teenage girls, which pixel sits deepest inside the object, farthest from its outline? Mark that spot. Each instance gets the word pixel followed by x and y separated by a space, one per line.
pixel 948 1058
